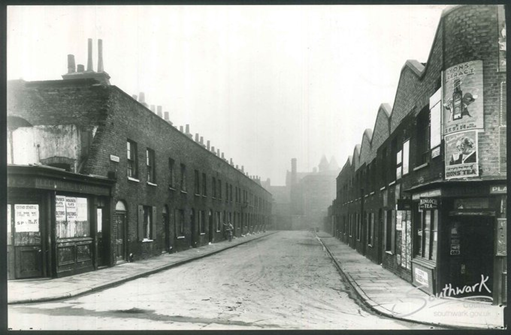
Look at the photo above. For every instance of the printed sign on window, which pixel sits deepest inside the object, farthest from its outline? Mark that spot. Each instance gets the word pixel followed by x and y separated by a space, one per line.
pixel 463 97
pixel 421 276
pixel 81 209
pixel 60 208
pixel 461 155
pixel 71 209
pixel 8 218
pixel 26 218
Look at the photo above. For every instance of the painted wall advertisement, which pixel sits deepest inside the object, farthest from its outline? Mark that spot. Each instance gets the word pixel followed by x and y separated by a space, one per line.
pixel 463 97
pixel 26 218
pixel 461 155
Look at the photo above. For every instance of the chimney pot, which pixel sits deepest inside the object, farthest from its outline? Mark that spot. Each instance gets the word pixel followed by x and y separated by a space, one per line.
pixel 152 109
pixel 208 145
pixel 141 97
pixel 71 63
pixel 166 114
pixel 134 96
pixel 202 140
pixel 196 137
pixel 100 55
pixel 187 129
pixel 80 68
pixel 242 168
pixel 89 56
pixel 159 109
pixel 181 128
pixel 223 155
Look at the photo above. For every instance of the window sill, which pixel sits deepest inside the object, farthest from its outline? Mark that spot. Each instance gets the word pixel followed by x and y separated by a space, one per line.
pixel 202 234
pixel 383 188
pixel 370 245
pixel 218 231
pixel 197 194
pixel 372 193
pixel 180 237
pixel 133 179
pixel 151 184
pixel 392 183
pixel 420 166
pixel 184 192
pixel 146 240
pixel 204 196
pixel 171 188
pixel 389 252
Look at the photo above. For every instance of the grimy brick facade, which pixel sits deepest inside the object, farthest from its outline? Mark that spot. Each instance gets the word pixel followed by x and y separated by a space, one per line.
pixel 107 118
pixel 367 185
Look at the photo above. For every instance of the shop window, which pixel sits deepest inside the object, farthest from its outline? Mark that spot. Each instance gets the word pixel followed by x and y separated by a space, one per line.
pixel 146 223
pixel 427 234
pixel 72 217
pixel 151 168
pixel 183 178
pixel 171 173
pixel 131 155
pixel 204 185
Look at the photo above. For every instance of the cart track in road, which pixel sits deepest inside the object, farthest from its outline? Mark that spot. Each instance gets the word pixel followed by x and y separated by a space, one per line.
pixel 284 281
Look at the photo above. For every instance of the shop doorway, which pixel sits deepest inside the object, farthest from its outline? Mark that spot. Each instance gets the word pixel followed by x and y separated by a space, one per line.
pixel 119 231
pixel 27 241
pixel 471 253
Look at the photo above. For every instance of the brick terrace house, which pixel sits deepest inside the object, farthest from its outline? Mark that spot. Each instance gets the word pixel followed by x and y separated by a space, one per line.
pixel 156 189
pixel 425 192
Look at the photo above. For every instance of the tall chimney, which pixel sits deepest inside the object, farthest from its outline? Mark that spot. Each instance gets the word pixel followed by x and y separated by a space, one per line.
pixel 187 129
pixel 70 63
pixel 293 171
pixel 89 56
pixel 100 55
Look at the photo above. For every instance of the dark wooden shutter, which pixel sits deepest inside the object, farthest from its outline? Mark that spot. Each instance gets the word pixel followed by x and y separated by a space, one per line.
pixel 140 223
pixel 153 224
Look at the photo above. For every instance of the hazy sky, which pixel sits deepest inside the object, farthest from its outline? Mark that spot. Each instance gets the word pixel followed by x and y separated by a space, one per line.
pixel 263 83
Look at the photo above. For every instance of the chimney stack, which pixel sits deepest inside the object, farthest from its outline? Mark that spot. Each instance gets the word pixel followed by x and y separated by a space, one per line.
pixel 230 161
pixel 223 155
pixel 152 109
pixel 100 55
pixel 134 96
pixel 89 56
pixel 187 129
pixel 207 145
pixel 181 128
pixel 159 111
pixel 196 137
pixel 166 116
pixel 70 63
pixel 80 68
pixel 202 140
pixel 141 98
pixel 242 169
pixel 213 150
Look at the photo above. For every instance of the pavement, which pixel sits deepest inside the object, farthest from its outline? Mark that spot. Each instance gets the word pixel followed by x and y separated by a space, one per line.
pixel 49 289
pixel 387 294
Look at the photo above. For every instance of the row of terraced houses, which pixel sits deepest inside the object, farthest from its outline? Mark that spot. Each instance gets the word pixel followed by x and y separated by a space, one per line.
pixel 95 178
pixel 425 193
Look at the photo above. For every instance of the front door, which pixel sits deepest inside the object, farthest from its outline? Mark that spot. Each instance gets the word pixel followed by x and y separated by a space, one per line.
pixel 210 226
pixel 119 235
pixel 28 251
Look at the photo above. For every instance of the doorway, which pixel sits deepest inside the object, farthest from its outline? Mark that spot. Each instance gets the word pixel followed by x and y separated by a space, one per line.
pixel 210 226
pixel 471 253
pixel 27 241
pixel 192 228
pixel 119 231
pixel 166 225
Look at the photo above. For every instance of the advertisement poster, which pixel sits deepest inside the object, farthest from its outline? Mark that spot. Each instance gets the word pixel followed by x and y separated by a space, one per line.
pixel 463 97
pixel 26 218
pixel 461 155
pixel 81 209
pixel 9 218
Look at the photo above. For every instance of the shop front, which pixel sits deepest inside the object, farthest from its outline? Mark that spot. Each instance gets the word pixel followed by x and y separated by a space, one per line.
pixel 57 222
pixel 460 240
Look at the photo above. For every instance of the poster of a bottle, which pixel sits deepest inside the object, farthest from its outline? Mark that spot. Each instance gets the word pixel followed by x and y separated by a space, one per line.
pixel 463 97
pixel 461 155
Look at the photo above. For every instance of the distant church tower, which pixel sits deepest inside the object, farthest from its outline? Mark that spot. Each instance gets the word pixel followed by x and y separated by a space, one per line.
pixel 323 165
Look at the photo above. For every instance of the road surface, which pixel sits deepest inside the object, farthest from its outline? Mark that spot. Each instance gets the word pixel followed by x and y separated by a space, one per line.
pixel 284 281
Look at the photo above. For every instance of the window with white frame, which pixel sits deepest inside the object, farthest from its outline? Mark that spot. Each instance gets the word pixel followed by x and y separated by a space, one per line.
pixel 131 155
pixel 151 168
